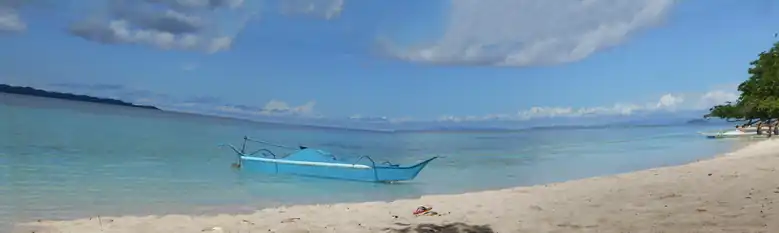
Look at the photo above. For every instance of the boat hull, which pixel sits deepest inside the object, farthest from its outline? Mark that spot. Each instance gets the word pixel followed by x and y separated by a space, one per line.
pixel 357 172
pixel 313 162
pixel 729 134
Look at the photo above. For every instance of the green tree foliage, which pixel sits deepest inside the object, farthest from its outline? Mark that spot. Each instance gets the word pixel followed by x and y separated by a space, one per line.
pixel 759 99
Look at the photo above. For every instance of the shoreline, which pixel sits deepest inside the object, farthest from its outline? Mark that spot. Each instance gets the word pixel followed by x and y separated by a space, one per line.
pixel 734 188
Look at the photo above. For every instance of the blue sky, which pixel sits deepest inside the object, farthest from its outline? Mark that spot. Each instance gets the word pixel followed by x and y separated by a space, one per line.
pixel 390 61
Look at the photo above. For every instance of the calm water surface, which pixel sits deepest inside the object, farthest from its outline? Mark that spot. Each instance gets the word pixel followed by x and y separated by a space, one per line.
pixel 61 160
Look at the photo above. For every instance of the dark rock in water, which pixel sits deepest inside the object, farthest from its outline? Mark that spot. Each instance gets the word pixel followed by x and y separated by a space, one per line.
pixel 697 121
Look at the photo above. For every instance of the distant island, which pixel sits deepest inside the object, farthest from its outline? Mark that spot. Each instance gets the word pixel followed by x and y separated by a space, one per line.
pixel 697 121
pixel 67 96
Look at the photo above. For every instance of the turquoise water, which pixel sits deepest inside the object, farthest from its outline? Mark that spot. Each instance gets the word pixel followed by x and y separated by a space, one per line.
pixel 61 160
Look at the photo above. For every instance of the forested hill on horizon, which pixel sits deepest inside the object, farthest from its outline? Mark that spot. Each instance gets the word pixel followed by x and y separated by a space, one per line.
pixel 29 91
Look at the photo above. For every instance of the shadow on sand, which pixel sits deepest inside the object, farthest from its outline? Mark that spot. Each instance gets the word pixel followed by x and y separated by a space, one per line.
pixel 446 228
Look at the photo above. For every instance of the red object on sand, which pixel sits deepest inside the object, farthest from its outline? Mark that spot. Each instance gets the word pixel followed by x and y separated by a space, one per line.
pixel 422 209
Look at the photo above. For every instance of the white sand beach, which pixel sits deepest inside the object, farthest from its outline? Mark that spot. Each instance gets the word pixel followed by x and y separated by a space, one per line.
pixel 735 192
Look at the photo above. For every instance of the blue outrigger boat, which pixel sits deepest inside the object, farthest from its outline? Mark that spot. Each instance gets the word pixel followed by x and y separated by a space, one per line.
pixel 313 162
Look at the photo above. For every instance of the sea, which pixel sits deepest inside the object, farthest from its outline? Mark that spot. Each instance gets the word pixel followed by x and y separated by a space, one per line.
pixel 64 160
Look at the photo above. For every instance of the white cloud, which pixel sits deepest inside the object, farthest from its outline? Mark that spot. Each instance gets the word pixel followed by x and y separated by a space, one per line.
pixel 535 32
pixel 220 44
pixel 326 9
pixel 271 108
pixel 275 107
pixel 121 30
pixel 205 3
pixel 167 24
pixel 667 102
pixel 189 66
pixel 10 20
pixel 716 97
pixel 378 119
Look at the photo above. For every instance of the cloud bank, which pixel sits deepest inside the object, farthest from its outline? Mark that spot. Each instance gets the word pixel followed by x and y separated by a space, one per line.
pixel 667 102
pixel 534 32
pixel 166 24
pixel 10 21
pixel 325 9
pixel 280 111
pixel 197 25
pixel 271 108
pixel 477 32
pixel 201 25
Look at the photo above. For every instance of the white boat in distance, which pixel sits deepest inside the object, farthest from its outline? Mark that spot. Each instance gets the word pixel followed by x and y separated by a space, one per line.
pixel 733 133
